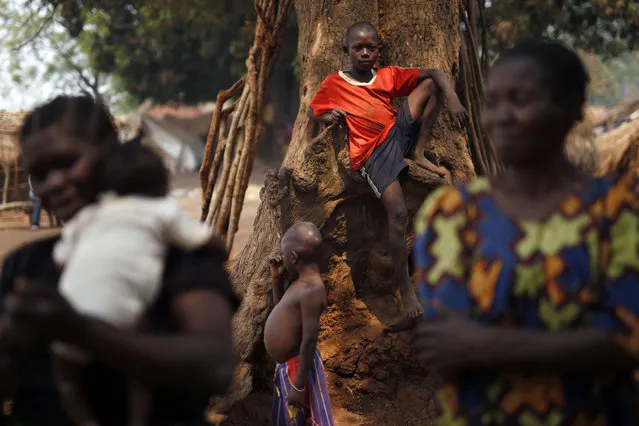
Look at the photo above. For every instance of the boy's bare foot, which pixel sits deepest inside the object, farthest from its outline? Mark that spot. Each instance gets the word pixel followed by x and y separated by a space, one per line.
pixel 412 311
pixel 401 323
pixel 424 162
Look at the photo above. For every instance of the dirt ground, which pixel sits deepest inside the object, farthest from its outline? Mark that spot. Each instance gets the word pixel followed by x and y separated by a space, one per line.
pixel 15 230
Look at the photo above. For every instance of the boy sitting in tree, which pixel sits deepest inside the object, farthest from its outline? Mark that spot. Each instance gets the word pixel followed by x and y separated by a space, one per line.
pixel 380 136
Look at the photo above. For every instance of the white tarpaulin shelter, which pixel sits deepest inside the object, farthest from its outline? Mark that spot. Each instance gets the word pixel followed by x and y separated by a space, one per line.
pixel 181 151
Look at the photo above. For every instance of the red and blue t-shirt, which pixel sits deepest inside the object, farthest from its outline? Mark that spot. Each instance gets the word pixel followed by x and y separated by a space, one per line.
pixel 369 109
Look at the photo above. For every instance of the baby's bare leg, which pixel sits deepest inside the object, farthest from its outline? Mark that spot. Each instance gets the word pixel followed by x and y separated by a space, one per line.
pixel 71 378
pixel 140 396
pixel 140 404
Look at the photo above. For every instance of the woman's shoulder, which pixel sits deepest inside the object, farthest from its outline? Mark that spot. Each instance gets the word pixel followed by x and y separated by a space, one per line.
pixel 200 269
pixel 448 201
pixel 32 252
pixel 619 193
pixel 453 197
pixel 33 260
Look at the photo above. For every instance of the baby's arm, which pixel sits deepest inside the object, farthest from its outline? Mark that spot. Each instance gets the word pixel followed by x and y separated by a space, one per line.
pixel 187 233
pixel 140 403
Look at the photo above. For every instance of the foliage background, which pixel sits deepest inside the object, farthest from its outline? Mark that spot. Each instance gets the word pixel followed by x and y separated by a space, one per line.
pixel 128 51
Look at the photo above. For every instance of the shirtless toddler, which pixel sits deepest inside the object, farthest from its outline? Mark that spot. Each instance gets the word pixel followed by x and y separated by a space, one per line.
pixel 292 329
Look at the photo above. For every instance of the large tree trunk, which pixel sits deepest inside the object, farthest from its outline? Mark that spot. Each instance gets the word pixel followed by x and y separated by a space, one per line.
pixel 372 377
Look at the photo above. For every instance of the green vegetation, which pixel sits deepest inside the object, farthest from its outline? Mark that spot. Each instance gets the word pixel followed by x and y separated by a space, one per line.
pixel 172 50
pixel 606 27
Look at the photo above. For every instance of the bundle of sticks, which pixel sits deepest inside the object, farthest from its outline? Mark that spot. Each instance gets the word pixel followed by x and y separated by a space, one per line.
pixel 474 66
pixel 234 133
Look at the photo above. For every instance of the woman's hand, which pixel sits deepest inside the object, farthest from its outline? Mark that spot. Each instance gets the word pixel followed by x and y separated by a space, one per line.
pixel 450 342
pixel 41 312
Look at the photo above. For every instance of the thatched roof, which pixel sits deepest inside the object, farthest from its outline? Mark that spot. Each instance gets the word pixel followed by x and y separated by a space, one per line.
pixel 10 123
pixel 580 147
pixel 619 149
pixel 619 112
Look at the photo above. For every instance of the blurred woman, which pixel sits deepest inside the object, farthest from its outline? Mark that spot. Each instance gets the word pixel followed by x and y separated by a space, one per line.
pixel 187 355
pixel 530 279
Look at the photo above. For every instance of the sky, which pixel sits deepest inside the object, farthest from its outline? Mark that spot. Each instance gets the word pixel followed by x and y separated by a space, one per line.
pixel 13 96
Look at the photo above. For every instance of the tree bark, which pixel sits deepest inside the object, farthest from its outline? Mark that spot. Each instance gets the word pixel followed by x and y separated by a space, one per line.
pixel 373 378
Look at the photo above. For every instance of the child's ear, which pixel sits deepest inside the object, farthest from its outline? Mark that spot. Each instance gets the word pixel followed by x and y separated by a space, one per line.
pixel 345 49
pixel 294 257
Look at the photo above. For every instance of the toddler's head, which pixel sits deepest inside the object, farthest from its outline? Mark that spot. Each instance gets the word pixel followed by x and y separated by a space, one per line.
pixel 134 169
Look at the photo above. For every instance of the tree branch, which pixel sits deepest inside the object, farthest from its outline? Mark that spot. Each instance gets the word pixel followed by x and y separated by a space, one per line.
pixel 93 87
pixel 48 20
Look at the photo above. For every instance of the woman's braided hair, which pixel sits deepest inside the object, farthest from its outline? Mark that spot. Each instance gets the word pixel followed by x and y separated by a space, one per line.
pixel 80 116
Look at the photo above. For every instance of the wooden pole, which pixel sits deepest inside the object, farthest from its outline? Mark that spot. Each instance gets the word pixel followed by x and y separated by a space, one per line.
pixel 224 179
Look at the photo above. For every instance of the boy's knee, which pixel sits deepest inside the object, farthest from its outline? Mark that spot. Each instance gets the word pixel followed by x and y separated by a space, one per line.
pixel 429 87
pixel 399 217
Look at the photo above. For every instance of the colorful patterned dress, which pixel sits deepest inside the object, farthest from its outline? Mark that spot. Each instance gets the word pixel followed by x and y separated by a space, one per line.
pixel 572 269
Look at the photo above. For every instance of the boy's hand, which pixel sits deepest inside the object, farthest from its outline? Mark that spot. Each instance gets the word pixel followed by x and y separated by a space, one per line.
pixel 336 116
pixel 277 267
pixel 459 114
pixel 296 398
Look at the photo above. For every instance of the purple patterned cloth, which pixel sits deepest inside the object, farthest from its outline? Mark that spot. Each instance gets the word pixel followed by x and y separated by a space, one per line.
pixel 317 410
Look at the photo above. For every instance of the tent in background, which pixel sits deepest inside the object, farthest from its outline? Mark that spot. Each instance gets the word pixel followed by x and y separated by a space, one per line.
pixel 181 150
pixel 177 132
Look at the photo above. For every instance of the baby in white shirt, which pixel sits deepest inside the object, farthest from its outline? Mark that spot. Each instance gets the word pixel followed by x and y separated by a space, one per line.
pixel 112 256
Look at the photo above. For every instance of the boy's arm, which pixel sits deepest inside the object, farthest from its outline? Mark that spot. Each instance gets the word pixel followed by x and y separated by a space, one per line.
pixel 278 278
pixel 457 110
pixel 322 108
pixel 311 305
pixel 442 82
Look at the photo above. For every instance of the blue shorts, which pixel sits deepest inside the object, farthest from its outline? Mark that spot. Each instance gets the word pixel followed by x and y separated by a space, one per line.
pixel 386 163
